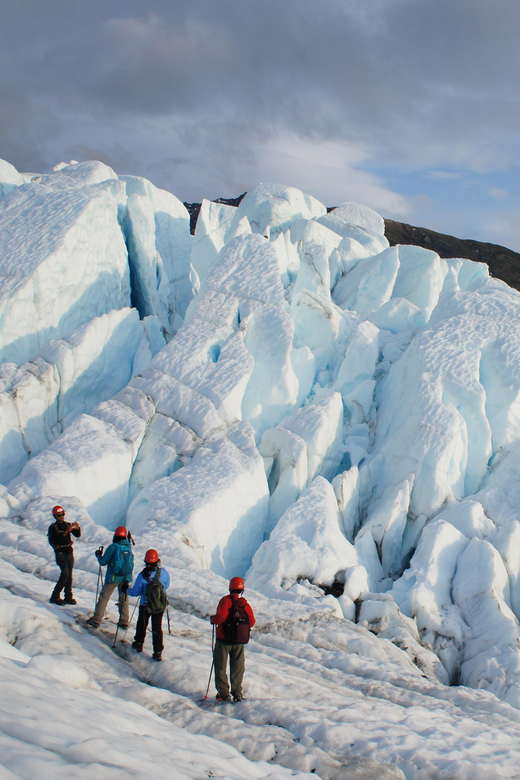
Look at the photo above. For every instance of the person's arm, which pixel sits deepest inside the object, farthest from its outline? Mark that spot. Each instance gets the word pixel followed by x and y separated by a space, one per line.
pixel 165 577
pixel 222 613
pixel 106 557
pixel 75 529
pixel 138 587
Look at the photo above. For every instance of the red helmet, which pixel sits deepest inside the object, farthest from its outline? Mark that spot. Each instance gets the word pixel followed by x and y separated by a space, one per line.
pixel 236 583
pixel 151 556
pixel 58 510
pixel 120 531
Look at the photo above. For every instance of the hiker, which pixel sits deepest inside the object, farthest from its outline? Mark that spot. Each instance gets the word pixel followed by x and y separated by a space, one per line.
pixel 233 620
pixel 119 560
pixel 151 585
pixel 60 535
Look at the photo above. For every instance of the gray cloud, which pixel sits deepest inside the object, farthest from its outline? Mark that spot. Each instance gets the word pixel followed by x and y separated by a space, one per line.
pixel 199 92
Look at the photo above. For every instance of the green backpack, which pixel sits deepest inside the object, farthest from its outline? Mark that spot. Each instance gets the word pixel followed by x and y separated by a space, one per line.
pixel 155 595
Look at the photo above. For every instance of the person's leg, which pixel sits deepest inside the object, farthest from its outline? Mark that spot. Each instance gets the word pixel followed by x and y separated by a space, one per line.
pixel 157 634
pixel 140 631
pixel 237 659
pixel 220 656
pixel 104 597
pixel 122 605
pixel 63 563
pixel 68 581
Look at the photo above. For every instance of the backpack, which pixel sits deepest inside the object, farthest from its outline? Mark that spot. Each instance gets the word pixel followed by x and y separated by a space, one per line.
pixel 123 561
pixel 155 595
pixel 236 626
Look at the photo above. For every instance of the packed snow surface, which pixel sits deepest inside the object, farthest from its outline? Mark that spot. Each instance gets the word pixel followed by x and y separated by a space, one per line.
pixel 286 398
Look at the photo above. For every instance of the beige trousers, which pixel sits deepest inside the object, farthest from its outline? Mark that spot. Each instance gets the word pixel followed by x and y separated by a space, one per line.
pixel 104 597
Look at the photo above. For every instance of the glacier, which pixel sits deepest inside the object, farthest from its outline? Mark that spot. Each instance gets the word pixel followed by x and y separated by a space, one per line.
pixel 282 396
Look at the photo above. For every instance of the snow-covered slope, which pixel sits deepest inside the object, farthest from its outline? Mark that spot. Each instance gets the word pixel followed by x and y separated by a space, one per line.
pixel 333 418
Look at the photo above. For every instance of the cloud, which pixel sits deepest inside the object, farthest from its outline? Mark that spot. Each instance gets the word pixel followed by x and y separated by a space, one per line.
pixel 498 194
pixel 444 175
pixel 213 97
pixel 329 171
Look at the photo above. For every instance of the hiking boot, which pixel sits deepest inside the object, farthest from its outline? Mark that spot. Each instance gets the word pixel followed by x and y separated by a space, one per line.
pixel 69 600
pixel 137 647
pixel 123 626
pixel 92 623
pixel 238 697
pixel 157 656
pixel 224 697
pixel 56 600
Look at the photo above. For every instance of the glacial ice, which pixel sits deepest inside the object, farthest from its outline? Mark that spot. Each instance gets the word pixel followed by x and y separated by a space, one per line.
pixel 157 226
pixel 70 376
pixel 9 178
pixel 329 413
pixel 63 262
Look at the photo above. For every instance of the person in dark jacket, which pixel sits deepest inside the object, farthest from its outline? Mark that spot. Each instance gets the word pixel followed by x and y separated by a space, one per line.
pixel 60 535
pixel 224 649
pixel 120 542
pixel 151 570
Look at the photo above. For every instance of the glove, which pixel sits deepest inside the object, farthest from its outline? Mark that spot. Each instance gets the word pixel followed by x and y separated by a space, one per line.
pixel 124 587
pixel 212 620
pixel 99 552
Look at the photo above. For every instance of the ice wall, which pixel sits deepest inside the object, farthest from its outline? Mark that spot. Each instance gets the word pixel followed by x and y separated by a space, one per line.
pixel 157 227
pixel 333 417
pixel 63 261
pixel 68 377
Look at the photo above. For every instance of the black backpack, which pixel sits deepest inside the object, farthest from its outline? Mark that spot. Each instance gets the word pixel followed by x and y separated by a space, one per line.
pixel 155 594
pixel 236 626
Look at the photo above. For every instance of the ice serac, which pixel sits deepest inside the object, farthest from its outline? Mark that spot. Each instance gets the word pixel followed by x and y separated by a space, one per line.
pixel 271 208
pixel 247 273
pixel 63 262
pixel 157 227
pixel 440 417
pixel 76 175
pixel 91 460
pixel 305 550
pixel 9 178
pixel 360 223
pixel 68 377
pixel 491 657
pixel 213 509
pixel 306 443
pixel 212 223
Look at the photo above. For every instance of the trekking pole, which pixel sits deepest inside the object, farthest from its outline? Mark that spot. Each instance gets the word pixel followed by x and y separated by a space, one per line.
pixel 99 577
pixel 120 600
pixel 115 637
pixel 132 616
pixel 212 663
pixel 168 616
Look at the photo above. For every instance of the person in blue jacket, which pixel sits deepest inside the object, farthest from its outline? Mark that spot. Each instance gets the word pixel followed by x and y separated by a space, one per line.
pixel 152 573
pixel 120 564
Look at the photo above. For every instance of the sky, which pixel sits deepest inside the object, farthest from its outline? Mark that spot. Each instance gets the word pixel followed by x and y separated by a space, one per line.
pixel 408 106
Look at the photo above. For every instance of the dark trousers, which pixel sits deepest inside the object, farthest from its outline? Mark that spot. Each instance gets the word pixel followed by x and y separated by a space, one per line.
pixel 237 664
pixel 65 560
pixel 157 632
